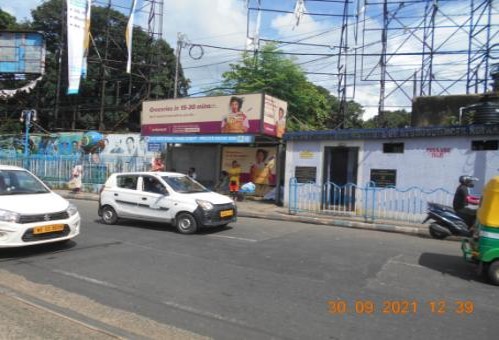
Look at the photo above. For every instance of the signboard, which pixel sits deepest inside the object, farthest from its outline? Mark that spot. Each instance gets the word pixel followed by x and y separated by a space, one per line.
pixel 384 177
pixel 257 164
pixel 22 52
pixel 238 114
pixel 203 139
pixel 274 116
pixel 77 32
pixel 305 174
pixel 154 147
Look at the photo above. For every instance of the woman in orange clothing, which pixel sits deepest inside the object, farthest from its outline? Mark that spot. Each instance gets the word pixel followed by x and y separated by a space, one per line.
pixel 234 173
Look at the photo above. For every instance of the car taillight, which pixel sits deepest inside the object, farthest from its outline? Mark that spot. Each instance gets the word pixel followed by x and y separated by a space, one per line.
pixel 100 193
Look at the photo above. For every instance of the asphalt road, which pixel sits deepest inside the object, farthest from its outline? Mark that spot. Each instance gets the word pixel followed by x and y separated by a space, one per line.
pixel 257 280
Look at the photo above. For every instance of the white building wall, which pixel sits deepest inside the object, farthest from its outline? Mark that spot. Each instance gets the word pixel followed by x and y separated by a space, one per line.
pixel 431 163
pixel 428 163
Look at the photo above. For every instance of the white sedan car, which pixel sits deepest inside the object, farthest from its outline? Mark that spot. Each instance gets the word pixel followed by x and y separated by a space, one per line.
pixel 30 213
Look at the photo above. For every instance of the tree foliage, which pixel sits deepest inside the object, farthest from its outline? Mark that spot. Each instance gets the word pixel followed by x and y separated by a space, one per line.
pixel 310 107
pixel 390 119
pixel 152 76
pixel 7 21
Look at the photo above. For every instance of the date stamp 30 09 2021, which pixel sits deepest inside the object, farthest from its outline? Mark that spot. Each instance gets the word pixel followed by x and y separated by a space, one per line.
pixel 400 307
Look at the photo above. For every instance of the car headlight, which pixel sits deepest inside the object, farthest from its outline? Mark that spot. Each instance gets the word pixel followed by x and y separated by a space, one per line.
pixel 9 216
pixel 72 210
pixel 205 205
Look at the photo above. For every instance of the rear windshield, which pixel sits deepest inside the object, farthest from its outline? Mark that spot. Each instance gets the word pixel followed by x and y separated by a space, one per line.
pixel 184 184
pixel 20 182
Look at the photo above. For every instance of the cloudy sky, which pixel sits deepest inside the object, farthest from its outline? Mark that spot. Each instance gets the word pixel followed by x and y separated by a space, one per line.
pixel 228 23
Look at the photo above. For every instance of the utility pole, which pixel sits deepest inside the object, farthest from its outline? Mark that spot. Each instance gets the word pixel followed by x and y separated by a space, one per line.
pixel 59 65
pixel 104 72
pixel 26 117
pixel 180 45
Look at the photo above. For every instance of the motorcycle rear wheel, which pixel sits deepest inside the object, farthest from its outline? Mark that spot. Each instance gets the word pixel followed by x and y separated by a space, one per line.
pixel 437 235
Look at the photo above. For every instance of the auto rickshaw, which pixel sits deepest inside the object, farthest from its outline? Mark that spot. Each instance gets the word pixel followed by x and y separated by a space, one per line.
pixel 483 247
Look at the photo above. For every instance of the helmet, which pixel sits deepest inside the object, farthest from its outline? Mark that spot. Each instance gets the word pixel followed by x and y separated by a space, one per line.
pixel 467 180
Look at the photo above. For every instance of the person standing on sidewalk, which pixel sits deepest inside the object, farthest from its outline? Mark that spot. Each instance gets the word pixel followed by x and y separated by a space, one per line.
pixel 75 183
pixel 234 174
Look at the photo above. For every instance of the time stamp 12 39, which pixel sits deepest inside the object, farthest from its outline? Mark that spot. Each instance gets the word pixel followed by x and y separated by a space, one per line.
pixel 400 307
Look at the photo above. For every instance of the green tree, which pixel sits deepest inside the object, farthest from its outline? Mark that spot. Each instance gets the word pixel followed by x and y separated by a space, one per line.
pixel 152 76
pixel 391 119
pixel 7 21
pixel 352 118
pixel 310 107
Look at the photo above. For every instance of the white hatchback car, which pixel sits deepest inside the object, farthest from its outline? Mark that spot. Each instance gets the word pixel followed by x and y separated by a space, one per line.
pixel 164 197
pixel 30 213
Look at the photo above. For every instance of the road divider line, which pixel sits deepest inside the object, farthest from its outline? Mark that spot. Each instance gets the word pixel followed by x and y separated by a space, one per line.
pixel 234 238
pixel 204 313
pixel 85 278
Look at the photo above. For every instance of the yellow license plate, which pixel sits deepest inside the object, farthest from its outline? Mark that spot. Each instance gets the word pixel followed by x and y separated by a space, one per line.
pixel 48 229
pixel 226 213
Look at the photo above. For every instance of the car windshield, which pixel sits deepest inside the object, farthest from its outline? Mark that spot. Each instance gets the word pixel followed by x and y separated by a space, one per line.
pixel 20 182
pixel 184 184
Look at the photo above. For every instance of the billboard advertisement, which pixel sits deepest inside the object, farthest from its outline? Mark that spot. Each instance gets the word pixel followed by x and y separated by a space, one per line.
pixel 22 52
pixel 234 114
pixel 257 163
pixel 274 116
pixel 238 114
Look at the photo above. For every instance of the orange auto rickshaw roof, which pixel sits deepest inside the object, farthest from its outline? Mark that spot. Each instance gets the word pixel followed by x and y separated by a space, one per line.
pixel 488 213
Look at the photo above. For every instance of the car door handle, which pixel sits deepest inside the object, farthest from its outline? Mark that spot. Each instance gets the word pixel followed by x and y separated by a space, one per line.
pixel 144 198
pixel 115 194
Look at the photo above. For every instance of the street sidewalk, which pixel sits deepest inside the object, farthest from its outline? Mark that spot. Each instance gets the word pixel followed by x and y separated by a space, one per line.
pixel 269 211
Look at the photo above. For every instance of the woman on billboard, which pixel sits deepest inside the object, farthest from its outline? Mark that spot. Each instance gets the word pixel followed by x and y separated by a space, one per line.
pixel 261 171
pixel 280 124
pixel 236 121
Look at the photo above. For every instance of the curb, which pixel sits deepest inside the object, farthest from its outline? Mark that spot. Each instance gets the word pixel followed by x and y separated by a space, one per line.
pixel 413 231
pixel 389 228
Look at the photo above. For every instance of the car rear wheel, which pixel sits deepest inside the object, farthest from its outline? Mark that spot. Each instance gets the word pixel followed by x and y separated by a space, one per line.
pixel 109 215
pixel 186 223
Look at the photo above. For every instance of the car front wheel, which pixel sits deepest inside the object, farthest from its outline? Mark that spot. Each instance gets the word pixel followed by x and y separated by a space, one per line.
pixel 186 223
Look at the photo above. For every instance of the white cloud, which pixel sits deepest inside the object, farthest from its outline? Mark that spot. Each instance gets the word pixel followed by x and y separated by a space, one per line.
pixel 223 23
pixel 21 9
pixel 217 23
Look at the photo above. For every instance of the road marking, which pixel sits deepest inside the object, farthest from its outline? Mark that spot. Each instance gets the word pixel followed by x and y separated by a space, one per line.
pixel 85 278
pixel 204 313
pixel 235 238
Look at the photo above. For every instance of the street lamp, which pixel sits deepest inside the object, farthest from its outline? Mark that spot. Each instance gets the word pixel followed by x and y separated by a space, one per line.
pixel 26 117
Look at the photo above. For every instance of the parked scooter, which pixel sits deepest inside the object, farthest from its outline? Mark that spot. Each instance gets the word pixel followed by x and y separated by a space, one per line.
pixel 457 220
pixel 445 222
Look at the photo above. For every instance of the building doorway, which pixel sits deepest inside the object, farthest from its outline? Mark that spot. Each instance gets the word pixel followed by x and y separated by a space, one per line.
pixel 340 177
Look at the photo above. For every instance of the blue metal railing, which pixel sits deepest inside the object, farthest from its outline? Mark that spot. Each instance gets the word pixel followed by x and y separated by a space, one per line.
pixel 56 170
pixel 369 202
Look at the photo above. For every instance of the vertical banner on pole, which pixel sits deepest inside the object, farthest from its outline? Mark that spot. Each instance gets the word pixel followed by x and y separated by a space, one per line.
pixel 86 41
pixel 76 24
pixel 128 37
